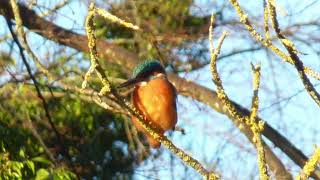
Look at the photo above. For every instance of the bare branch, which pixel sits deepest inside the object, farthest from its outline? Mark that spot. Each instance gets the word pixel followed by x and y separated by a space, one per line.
pixel 55 8
pixel 293 53
pixel 236 114
pixel 35 82
pixel 39 138
pixel 257 126
pixel 245 20
pixel 310 166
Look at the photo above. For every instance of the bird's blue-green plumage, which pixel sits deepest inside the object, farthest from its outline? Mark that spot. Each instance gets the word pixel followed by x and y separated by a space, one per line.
pixel 143 71
pixel 145 67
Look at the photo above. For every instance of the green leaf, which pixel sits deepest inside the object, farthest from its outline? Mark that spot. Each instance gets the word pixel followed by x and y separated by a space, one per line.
pixel 42 174
pixel 21 153
pixel 62 174
pixel 30 164
pixel 16 175
pixel 17 166
pixel 41 159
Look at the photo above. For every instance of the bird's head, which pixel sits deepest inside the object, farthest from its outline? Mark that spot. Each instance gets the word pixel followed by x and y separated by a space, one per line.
pixel 144 71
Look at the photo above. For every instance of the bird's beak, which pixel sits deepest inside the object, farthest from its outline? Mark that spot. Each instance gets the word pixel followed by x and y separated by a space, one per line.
pixel 130 82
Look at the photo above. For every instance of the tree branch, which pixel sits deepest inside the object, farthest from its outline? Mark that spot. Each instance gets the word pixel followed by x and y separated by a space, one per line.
pixel 35 82
pixel 267 43
pixel 293 53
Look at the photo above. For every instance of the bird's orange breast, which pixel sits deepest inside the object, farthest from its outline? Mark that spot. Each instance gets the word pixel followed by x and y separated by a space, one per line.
pixel 157 102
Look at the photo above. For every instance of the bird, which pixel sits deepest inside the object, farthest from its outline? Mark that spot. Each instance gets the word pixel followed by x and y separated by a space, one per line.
pixel 154 96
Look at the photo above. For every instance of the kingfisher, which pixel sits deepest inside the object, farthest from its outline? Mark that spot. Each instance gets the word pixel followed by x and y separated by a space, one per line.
pixel 154 97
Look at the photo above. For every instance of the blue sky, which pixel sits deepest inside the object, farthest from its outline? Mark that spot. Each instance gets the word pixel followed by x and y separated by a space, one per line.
pixel 211 137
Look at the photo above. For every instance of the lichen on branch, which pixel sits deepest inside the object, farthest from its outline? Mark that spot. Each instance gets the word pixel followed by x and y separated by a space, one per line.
pixel 310 166
pixel 255 127
pixel 266 42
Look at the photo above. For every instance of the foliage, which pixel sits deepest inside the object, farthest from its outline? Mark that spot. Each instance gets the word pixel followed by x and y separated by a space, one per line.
pixel 95 138
pixel 166 20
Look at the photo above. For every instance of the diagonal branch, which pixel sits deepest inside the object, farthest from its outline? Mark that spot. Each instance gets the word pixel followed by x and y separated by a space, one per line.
pixel 293 53
pixel 310 166
pixel 36 85
pixel 39 138
pixel 266 42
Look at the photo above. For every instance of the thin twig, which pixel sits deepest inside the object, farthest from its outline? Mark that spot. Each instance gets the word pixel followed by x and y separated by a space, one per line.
pixel 215 76
pixel 39 138
pixel 266 20
pixel 257 127
pixel 22 35
pixel 54 9
pixel 293 53
pixel 245 20
pixel 21 47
